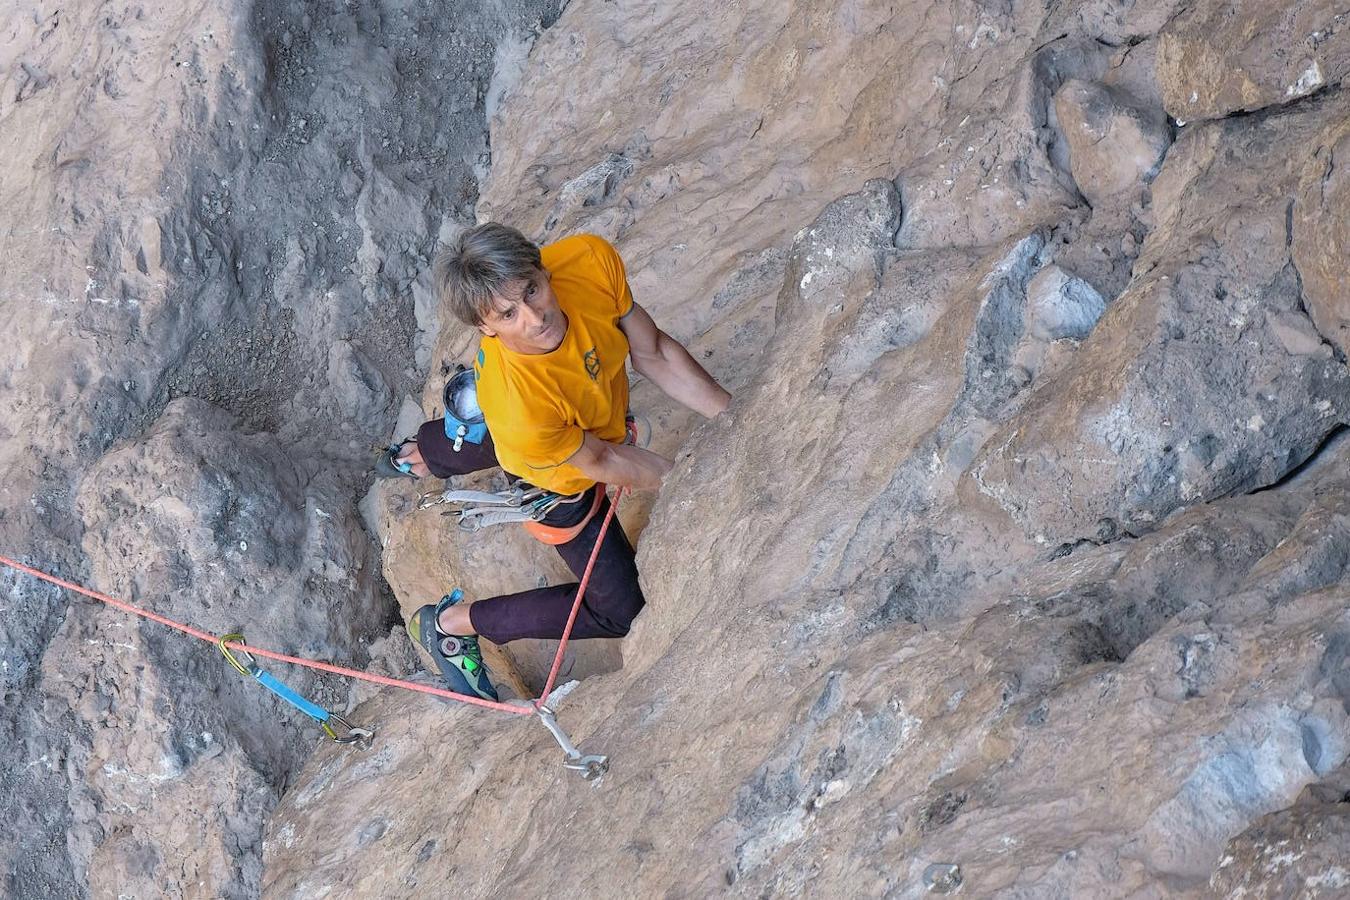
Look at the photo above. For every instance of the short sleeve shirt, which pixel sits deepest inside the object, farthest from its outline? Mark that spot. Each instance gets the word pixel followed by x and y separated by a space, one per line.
pixel 538 406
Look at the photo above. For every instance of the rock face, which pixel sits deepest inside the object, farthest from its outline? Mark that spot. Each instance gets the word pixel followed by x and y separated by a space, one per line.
pixel 1015 563
pixel 1295 852
pixel 232 203
pixel 195 516
pixel 1023 547
pixel 1207 376
pixel 1115 142
pixel 1322 235
pixel 1217 58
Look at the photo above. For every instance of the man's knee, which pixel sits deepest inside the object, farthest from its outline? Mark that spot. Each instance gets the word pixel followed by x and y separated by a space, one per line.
pixel 614 611
pixel 439 453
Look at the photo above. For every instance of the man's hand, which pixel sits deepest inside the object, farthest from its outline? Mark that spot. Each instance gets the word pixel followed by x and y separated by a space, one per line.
pixel 619 464
pixel 664 360
pixel 412 454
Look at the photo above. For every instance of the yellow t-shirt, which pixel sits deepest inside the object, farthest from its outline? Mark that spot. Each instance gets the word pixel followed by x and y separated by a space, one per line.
pixel 537 406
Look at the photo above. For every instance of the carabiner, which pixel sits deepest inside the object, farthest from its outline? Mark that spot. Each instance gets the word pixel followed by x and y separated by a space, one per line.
pixel 353 734
pixel 250 666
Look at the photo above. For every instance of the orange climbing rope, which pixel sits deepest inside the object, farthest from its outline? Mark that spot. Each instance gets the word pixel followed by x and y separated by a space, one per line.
pixel 576 603
pixel 342 670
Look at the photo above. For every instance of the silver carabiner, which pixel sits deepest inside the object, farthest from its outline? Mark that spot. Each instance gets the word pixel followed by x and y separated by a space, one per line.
pixel 590 765
pixel 430 499
pixel 352 735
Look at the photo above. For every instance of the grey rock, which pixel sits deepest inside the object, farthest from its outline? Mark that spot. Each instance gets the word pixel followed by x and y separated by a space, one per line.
pixel 1321 233
pixel 199 524
pixel 1061 305
pixel 358 387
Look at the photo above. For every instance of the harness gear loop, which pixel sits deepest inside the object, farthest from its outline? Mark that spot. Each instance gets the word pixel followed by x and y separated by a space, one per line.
pixel 249 667
pixel 518 503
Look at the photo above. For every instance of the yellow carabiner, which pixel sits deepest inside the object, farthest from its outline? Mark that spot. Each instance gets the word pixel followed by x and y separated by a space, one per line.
pixel 237 636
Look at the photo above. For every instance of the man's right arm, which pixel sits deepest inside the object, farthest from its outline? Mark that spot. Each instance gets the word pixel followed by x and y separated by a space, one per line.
pixel 619 464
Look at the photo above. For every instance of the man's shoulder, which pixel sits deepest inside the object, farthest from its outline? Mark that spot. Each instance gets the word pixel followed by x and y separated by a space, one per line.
pixel 588 271
pixel 578 249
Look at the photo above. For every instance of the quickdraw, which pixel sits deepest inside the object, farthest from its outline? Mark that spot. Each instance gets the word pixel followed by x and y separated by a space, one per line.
pixel 590 765
pixel 249 666
pixel 521 502
pixel 518 503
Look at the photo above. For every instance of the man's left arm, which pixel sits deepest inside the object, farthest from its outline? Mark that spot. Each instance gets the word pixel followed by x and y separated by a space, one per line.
pixel 658 356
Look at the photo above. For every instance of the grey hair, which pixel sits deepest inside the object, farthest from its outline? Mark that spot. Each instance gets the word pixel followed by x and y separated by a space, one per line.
pixel 474 268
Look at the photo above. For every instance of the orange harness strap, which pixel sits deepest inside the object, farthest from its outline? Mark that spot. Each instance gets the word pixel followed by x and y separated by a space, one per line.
pixel 553 535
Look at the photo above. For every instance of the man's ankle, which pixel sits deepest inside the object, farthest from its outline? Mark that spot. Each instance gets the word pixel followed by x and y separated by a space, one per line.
pixel 455 620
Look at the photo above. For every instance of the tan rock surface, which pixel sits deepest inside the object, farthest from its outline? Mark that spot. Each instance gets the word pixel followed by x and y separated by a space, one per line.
pixel 1218 57
pixel 1023 547
pixel 856 662
pixel 1322 233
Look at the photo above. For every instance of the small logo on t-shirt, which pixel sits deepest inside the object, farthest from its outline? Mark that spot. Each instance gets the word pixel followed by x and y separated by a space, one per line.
pixel 592 360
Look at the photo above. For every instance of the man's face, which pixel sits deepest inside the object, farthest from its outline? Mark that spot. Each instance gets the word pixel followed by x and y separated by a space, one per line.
pixel 526 317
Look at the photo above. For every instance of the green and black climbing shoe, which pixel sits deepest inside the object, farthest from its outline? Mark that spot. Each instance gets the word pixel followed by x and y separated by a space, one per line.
pixel 456 655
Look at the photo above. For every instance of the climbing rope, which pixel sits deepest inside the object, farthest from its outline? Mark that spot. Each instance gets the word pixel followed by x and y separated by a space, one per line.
pixel 260 651
pixel 576 602
pixel 590 766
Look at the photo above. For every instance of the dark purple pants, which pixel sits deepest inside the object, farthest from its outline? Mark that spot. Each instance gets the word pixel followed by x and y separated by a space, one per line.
pixel 613 597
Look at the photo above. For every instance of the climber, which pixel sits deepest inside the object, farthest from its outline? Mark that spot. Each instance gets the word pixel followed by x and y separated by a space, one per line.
pixel 558 324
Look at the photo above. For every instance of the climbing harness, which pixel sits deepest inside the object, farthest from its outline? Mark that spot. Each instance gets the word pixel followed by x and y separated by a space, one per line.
pixel 249 666
pixel 555 535
pixel 521 502
pixel 590 766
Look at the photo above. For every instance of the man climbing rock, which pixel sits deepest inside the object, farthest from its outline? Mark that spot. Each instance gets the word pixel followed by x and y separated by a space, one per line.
pixel 558 325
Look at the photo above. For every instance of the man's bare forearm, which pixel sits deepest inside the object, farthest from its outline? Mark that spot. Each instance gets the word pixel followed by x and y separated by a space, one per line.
pixel 631 467
pixel 680 376
pixel 619 464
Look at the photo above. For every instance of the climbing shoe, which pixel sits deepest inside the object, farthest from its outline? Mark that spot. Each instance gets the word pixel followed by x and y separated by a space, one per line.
pixel 456 655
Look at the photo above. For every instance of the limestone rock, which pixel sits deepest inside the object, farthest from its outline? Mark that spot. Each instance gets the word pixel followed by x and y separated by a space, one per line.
pixel 1322 234
pixel 1217 57
pixel 188 194
pixel 1115 144
pixel 1022 549
pixel 1061 305
pixel 903 662
pixel 1299 851
pixel 222 532
pixel 1232 402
